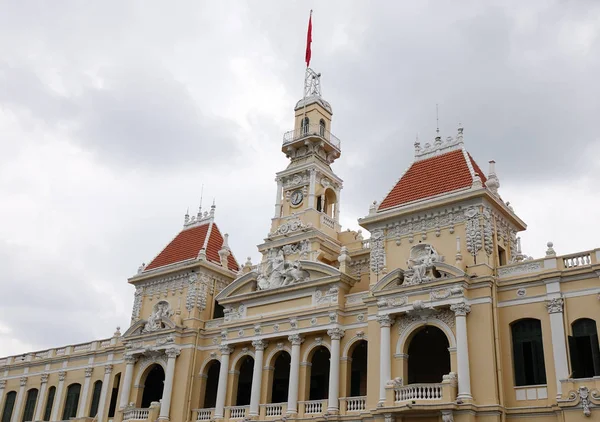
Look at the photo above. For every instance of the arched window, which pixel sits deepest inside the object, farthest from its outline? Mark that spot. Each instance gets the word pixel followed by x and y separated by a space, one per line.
pixel 319 374
pixel 113 395
pixel 244 381
pixel 428 356
pixel 528 352
pixel 95 398
pixel 9 405
pixel 49 401
pixel 322 127
pixel 153 385
pixel 358 370
pixel 71 402
pixel 304 124
pixel 212 384
pixel 30 404
pixel 281 378
pixel 218 312
pixel 584 349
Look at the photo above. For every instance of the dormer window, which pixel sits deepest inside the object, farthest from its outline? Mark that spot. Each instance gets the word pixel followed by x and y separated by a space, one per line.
pixel 304 125
pixel 322 127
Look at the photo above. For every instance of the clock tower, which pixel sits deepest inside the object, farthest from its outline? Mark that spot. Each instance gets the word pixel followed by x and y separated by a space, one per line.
pixel 306 220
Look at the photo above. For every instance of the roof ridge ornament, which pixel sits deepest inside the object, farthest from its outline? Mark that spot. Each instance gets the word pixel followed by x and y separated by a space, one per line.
pixel 439 146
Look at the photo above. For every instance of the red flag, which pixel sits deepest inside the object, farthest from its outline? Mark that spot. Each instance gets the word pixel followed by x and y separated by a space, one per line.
pixel 308 40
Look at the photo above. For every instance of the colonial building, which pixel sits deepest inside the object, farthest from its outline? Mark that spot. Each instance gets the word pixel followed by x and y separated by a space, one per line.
pixel 438 316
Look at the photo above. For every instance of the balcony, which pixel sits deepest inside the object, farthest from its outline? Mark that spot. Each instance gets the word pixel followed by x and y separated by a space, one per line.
pixel 313 407
pixel 203 414
pixel 273 410
pixel 133 414
pixel 422 393
pixel 353 404
pixel 315 132
pixel 236 412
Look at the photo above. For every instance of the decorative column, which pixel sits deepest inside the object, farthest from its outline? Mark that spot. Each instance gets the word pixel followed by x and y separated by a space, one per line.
pixel 165 404
pixel 334 370
pixel 259 347
pixel 58 396
pixel 40 400
pixel 338 201
pixel 17 409
pixel 84 395
pixel 462 350
pixel 557 327
pixel 127 379
pixel 104 392
pixel 292 405
pixel 2 387
pixel 385 359
pixel 222 388
pixel 278 198
pixel 311 188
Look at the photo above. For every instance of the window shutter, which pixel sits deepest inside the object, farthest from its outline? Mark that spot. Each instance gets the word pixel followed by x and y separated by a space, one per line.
pixel 575 361
pixel 539 371
pixel 9 404
pixel 519 364
pixel 50 400
pixel 595 353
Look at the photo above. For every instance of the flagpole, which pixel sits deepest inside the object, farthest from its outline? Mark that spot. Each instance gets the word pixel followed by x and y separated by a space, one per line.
pixel 306 56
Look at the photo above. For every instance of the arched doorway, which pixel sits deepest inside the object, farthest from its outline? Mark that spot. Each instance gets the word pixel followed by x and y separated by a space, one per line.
pixel 319 374
pixel 281 378
pixel 428 356
pixel 212 383
pixel 358 369
pixel 153 385
pixel 244 381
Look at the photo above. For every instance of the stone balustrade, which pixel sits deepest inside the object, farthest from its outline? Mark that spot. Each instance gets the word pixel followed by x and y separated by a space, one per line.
pixel 237 412
pixel 353 404
pixel 203 414
pixel 273 410
pixel 313 407
pixel 135 414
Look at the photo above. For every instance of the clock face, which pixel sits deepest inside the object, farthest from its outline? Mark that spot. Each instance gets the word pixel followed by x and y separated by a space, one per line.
pixel 297 197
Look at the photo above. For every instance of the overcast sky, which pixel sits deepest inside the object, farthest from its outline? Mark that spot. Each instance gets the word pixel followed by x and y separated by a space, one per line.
pixel 113 114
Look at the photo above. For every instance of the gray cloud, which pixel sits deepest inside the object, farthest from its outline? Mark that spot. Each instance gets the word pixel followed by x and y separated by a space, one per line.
pixel 153 101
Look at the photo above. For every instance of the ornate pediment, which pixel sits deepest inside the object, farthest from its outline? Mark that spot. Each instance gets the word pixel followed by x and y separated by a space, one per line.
pixel 281 274
pixel 424 265
pixel 160 319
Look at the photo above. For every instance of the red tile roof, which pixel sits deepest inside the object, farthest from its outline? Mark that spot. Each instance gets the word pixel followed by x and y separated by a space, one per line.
pixel 188 243
pixel 432 176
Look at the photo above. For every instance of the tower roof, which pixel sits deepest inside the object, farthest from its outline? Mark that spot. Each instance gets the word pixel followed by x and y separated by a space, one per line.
pixel 441 168
pixel 196 235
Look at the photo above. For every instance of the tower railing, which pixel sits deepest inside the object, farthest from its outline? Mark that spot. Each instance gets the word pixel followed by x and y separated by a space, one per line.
pixel 311 131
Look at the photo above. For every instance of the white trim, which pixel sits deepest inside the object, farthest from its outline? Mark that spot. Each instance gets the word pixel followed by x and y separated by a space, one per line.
pixel 238 357
pixel 522 301
pixel 429 321
pixel 272 354
pixel 349 344
pixel 314 345
pixel 205 362
pixel 147 365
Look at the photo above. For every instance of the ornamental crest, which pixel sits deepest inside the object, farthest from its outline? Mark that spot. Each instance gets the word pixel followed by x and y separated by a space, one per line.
pixel 421 267
pixel 161 310
pixel 278 272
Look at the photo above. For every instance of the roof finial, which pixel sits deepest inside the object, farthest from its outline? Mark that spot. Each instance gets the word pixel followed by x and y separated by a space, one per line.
pixel 437 119
pixel 212 208
pixel 200 207
pixel 186 219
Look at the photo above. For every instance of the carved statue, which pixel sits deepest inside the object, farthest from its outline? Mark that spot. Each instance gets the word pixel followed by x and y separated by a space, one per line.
pixel 277 271
pixel 420 264
pixel 161 310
